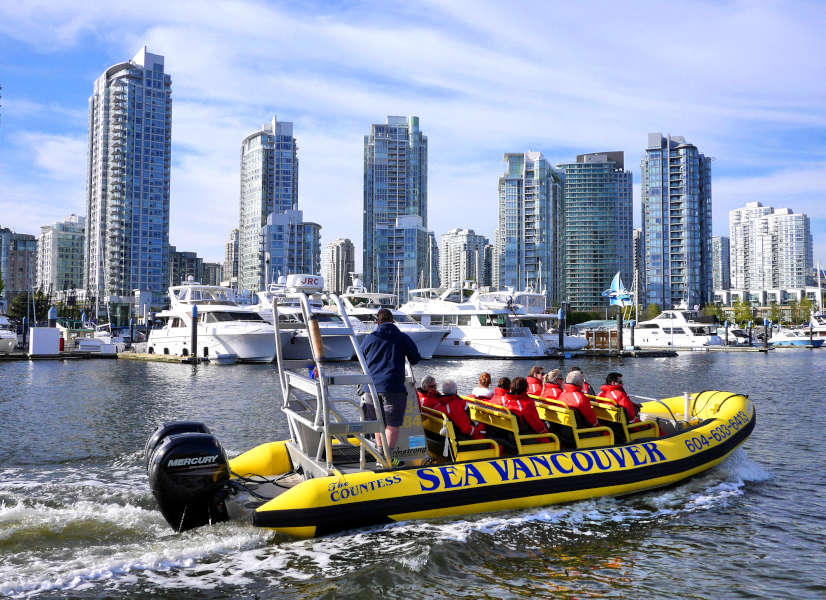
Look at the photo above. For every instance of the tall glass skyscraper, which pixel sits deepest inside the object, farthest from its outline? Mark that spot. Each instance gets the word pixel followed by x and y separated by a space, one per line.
pixel 269 184
pixel 676 222
pixel 396 242
pixel 598 227
pixel 127 181
pixel 720 263
pixel 528 239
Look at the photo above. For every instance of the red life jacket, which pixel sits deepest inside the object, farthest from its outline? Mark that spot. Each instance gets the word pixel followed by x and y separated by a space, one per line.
pixel 534 385
pixel 498 395
pixel 616 394
pixel 455 409
pixel 523 406
pixel 551 390
pixel 573 397
pixel 430 399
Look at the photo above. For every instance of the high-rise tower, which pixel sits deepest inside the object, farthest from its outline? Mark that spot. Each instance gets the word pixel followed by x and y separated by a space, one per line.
pixel 269 184
pixel 676 222
pixel 127 181
pixel 598 227
pixel 529 236
pixel 395 240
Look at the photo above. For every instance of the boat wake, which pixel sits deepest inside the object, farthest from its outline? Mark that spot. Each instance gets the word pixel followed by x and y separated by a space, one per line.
pixel 66 533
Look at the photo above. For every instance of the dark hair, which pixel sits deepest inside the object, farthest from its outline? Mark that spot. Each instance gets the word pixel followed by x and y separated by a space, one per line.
pixel 484 379
pixel 519 385
pixel 575 369
pixel 612 378
pixel 504 383
pixel 536 369
pixel 384 316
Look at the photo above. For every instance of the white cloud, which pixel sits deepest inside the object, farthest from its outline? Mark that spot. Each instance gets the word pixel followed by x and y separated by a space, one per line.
pixel 742 81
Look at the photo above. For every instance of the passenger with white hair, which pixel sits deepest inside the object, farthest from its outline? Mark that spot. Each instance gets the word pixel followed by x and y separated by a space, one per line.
pixel 576 399
pixel 428 394
pixel 455 408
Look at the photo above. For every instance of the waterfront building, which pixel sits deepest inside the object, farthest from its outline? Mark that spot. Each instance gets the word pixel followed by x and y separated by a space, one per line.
pixel 676 222
pixel 486 277
pixel 213 273
pixel 462 257
pixel 183 265
pixel 18 263
pixel 269 184
pixel 127 182
pixel 529 237
pixel 395 236
pixel 230 271
pixel 290 245
pixel 720 261
pixel 338 262
pixel 60 255
pixel 639 263
pixel 770 248
pixel 430 276
pixel 598 227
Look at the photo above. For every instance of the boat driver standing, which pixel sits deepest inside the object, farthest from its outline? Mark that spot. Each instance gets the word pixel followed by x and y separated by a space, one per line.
pixel 384 352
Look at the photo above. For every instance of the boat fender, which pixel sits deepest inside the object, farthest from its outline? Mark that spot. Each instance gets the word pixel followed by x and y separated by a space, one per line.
pixel 188 474
pixel 167 429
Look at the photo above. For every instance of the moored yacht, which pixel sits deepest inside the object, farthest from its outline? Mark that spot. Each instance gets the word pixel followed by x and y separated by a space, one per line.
pixel 296 343
pixel 530 310
pixel 675 329
pixel 361 306
pixel 8 335
pixel 224 327
pixel 795 338
pixel 475 329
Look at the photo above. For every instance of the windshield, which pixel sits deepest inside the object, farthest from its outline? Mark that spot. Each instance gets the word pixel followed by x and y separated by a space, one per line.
pixel 207 296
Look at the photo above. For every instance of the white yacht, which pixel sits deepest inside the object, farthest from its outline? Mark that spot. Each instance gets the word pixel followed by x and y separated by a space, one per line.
pixel 361 306
pixel 296 341
pixel 475 329
pixel 8 335
pixel 224 327
pixel 675 329
pixel 529 310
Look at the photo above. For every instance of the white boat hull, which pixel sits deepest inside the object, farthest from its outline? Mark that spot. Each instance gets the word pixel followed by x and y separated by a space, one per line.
pixel 297 347
pixel 247 346
pixel 678 341
pixel 8 344
pixel 427 342
pixel 572 342
pixel 458 344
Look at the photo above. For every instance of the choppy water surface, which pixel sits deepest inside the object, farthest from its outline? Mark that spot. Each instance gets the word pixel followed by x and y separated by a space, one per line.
pixel 77 518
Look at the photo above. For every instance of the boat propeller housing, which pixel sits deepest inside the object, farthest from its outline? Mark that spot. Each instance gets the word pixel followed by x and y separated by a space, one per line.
pixel 188 473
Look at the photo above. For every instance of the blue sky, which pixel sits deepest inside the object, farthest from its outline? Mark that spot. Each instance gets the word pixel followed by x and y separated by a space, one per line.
pixel 744 81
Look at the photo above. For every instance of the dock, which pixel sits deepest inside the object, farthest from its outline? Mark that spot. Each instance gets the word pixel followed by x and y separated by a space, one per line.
pixel 66 355
pixel 611 353
pixel 164 358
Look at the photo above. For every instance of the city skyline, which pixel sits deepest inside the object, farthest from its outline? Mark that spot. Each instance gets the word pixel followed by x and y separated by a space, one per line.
pixel 749 109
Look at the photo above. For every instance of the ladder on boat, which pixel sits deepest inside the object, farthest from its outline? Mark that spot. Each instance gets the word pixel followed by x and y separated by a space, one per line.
pixel 326 427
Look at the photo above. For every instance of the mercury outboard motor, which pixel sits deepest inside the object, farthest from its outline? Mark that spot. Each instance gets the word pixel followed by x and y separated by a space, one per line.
pixel 188 474
pixel 167 429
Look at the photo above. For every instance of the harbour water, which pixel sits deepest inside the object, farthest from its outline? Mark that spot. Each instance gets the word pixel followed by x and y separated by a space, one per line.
pixel 77 518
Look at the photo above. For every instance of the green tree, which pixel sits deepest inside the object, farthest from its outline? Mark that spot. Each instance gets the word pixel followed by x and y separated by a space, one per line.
pixel 712 310
pixel 774 313
pixel 805 310
pixel 742 312
pixel 794 311
pixel 21 306
pixel 651 311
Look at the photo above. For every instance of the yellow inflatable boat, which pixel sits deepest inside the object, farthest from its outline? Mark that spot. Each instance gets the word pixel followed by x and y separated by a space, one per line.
pixel 331 475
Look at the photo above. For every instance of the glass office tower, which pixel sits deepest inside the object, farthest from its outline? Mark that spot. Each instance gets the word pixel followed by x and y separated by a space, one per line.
pixel 676 222
pixel 598 227
pixel 528 239
pixel 396 240
pixel 269 184
pixel 127 182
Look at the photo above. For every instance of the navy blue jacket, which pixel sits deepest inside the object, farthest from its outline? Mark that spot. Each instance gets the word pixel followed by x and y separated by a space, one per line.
pixel 384 350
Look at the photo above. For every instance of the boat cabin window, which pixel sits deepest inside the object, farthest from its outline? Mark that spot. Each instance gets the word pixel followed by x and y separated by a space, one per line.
pixel 463 320
pixel 402 318
pixel 674 331
pixel 366 318
pixel 493 320
pixel 224 316
pixel 649 326
pixel 454 296
pixel 328 318
pixel 177 322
